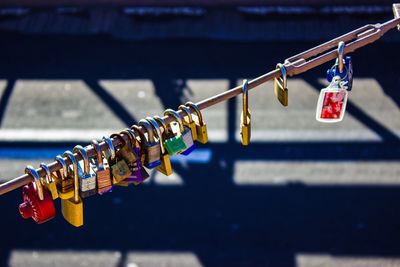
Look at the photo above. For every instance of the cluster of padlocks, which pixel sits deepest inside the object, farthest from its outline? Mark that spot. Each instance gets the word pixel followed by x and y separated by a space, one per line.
pixel 152 147
pixel 148 148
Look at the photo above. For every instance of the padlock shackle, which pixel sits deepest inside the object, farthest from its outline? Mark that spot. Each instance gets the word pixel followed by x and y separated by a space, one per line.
pixel 110 147
pixel 164 125
pixel 245 98
pixel 64 172
pixel 121 138
pixel 282 69
pixel 46 169
pixel 157 129
pixel 177 118
pixel 86 164
pixel 33 173
pixel 142 138
pixel 72 158
pixel 197 110
pixel 99 155
pixel 186 110
pixel 149 130
pixel 340 52
pixel 131 134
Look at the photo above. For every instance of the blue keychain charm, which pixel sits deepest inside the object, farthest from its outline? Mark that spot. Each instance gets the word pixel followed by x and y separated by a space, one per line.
pixel 343 68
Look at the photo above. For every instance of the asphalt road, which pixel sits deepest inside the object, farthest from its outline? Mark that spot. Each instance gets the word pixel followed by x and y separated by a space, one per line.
pixel 302 194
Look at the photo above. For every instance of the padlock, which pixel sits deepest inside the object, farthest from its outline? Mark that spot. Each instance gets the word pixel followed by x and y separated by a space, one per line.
pixel 173 141
pixel 138 172
pixel 188 121
pixel 72 209
pixel 49 183
pixel 87 177
pixel 151 146
pixel 186 132
pixel 125 151
pixel 102 170
pixel 280 86
pixel 119 167
pixel 245 118
pixel 165 166
pixel 65 183
pixel 37 201
pixel 343 68
pixel 201 127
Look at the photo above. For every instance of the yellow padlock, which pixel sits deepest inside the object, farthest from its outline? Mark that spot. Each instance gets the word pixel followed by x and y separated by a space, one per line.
pixel 165 167
pixel 72 209
pixel 65 184
pixel 49 182
pixel 201 127
pixel 189 122
pixel 245 124
pixel 280 86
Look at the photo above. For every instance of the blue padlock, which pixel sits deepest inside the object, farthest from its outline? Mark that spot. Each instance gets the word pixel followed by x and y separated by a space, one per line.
pixel 346 75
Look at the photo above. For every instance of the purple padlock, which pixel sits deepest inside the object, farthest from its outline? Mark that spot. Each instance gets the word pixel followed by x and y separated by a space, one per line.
pixel 139 173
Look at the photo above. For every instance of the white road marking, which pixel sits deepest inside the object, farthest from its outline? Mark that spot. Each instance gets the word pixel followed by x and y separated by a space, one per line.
pixel 316 173
pixel 325 260
pixel 45 258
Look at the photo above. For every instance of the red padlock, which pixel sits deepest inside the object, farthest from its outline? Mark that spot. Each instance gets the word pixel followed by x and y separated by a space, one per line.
pixel 38 203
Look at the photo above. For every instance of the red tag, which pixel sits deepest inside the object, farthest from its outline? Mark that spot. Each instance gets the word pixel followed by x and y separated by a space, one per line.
pixel 331 105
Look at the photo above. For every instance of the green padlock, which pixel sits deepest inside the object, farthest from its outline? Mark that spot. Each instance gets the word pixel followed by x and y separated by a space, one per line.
pixel 173 143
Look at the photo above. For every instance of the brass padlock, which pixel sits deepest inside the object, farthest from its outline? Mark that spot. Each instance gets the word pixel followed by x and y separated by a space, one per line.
pixel 165 166
pixel 280 86
pixel 125 150
pixel 65 183
pixel 119 167
pixel 188 121
pixel 49 182
pixel 72 209
pixel 201 127
pixel 87 177
pixel 102 170
pixel 186 132
pixel 138 172
pixel 245 118
pixel 151 146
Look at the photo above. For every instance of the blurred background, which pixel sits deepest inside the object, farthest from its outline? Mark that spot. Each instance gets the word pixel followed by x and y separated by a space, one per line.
pixel 303 194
